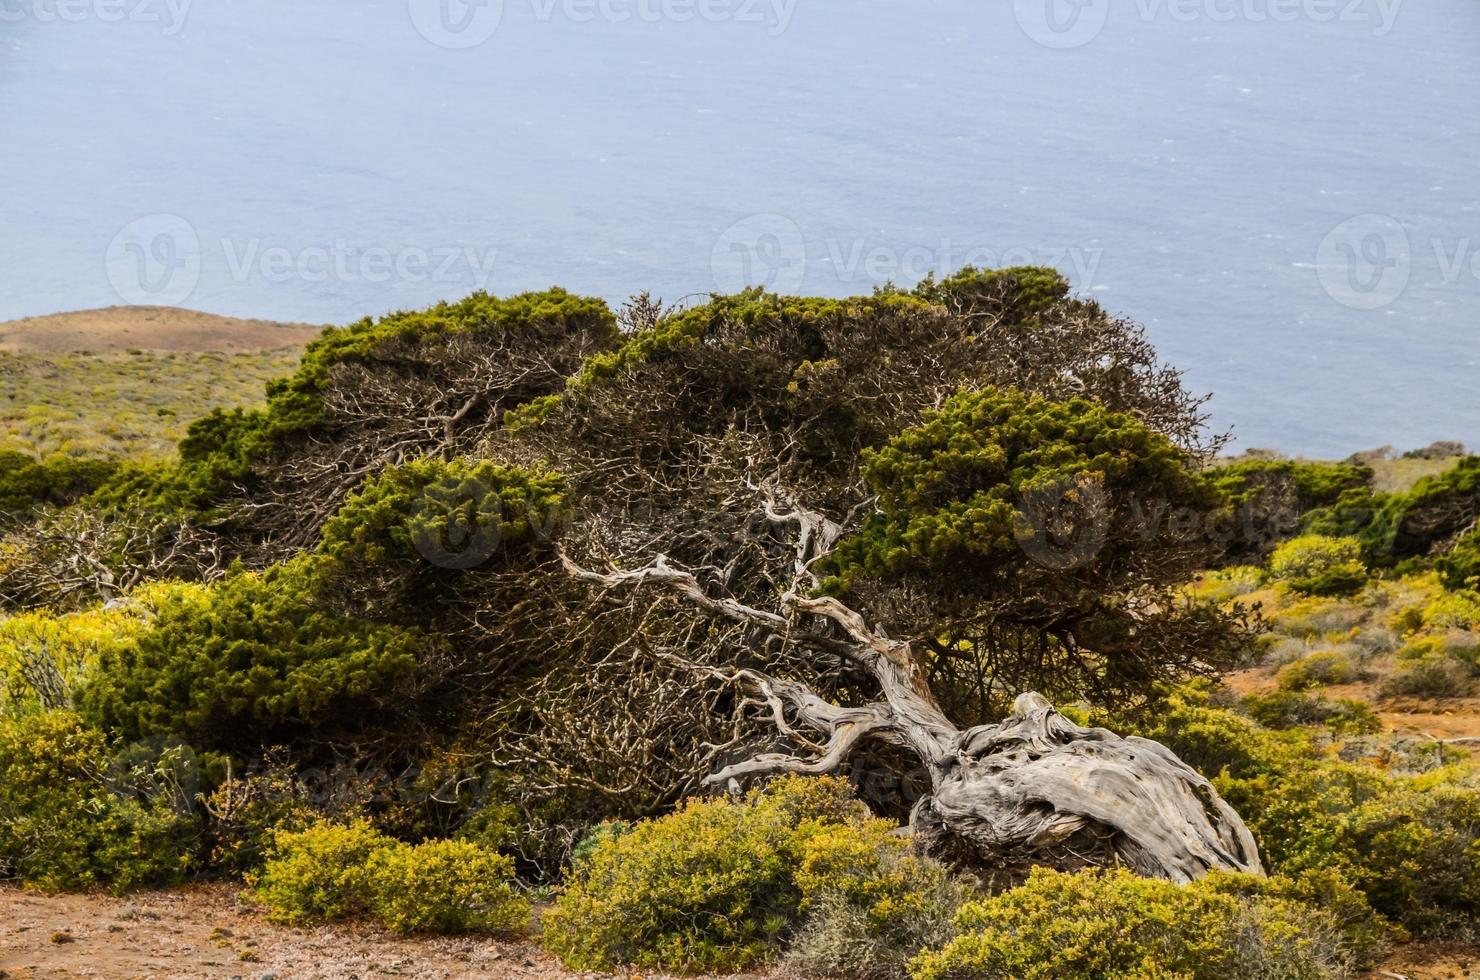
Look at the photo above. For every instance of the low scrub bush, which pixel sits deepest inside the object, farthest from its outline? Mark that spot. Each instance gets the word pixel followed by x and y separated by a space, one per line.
pixel 1320 669
pixel 724 884
pixel 445 886
pixel 73 815
pixel 1406 842
pixel 1461 610
pixel 338 871
pixel 1317 616
pixel 1294 709
pixel 1319 565
pixel 1226 584
pixel 319 874
pixel 1096 924
pixel 1434 675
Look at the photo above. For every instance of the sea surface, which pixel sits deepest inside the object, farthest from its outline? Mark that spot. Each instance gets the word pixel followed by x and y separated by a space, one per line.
pixel 1284 191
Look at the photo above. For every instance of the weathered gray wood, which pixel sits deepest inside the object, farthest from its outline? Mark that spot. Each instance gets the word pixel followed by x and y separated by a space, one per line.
pixel 1035 789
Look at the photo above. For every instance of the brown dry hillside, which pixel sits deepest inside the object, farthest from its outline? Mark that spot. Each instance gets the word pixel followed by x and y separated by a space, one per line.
pixel 126 380
pixel 159 328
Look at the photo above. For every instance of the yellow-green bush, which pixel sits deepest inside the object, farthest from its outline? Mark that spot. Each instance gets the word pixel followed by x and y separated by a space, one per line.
pixel 1459 610
pixel 73 815
pixel 445 886
pixel 1319 565
pixel 319 874
pixel 1324 667
pixel 43 656
pixel 1100 924
pixel 337 871
pixel 870 903
pixel 1411 844
pixel 1226 584
pixel 722 884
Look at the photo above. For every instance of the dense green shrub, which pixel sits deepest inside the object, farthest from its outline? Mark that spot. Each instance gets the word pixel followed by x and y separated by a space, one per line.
pixel 722 884
pixel 330 871
pixel 1319 565
pixel 1459 568
pixel 1098 924
pixel 1290 709
pixel 434 512
pixel 73 815
pixel 251 661
pixel 951 490
pixel 27 482
pixel 445 886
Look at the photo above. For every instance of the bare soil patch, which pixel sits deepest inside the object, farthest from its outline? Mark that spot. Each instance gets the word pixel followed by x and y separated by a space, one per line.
pixel 209 931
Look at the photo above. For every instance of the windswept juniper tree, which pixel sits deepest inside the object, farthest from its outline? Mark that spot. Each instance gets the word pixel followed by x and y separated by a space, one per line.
pixel 627 556
pixel 896 515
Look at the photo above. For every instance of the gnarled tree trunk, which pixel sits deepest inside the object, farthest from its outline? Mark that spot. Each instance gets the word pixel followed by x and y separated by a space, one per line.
pixel 1035 789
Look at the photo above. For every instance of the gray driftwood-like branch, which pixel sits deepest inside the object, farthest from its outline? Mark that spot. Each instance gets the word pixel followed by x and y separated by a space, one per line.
pixel 1034 789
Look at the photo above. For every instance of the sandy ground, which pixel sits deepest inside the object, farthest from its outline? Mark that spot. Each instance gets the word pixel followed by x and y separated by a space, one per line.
pixel 1449 718
pixel 207 931
pixel 120 328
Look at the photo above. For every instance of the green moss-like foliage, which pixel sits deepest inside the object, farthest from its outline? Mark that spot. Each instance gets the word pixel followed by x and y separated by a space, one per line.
pixel 1314 484
pixel 955 492
pixel 1098 924
pixel 27 483
pixel 1459 568
pixel 1014 295
pixel 721 884
pixel 252 661
pixel 456 514
pixel 74 816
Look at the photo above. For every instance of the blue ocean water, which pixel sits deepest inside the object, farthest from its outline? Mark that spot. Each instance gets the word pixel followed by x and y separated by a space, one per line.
pixel 1284 191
